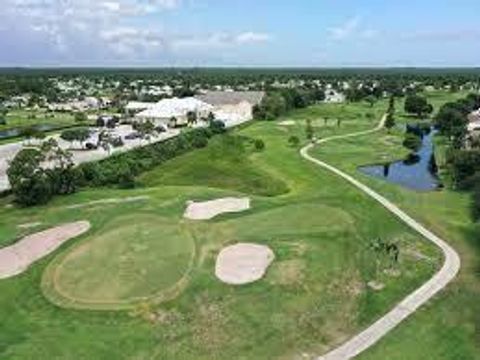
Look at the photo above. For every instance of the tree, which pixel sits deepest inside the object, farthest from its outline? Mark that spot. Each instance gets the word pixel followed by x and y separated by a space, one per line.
pixel 105 141
pixel 309 130
pixel 172 122
pixel 145 129
pixel 28 133
pixel 217 126
pixel 191 117
pixel 79 134
pixel 294 141
pixel 476 202
pixel 391 104
pixel 371 99
pixel 210 117
pixel 63 177
pixel 412 142
pixel 390 121
pixel 29 182
pixel 449 119
pixel 81 117
pixel 417 105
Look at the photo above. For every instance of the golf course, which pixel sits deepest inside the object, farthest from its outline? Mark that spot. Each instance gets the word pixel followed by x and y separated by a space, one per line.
pixel 141 284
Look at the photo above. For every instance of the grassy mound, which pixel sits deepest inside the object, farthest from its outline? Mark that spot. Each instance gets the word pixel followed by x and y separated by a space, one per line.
pixel 133 258
pixel 224 164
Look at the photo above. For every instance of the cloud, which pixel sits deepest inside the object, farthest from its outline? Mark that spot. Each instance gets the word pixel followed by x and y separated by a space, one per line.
pixel 252 37
pixel 101 31
pixel 346 29
pixel 219 40
pixel 352 29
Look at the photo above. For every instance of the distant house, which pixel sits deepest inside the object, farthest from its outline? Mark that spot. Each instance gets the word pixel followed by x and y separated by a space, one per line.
pixel 474 121
pixel 134 107
pixel 474 116
pixel 162 112
pixel 334 97
pixel 232 107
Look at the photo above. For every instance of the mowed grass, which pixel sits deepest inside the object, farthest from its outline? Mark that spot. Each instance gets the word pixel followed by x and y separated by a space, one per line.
pixel 223 164
pixel 132 258
pixel 447 327
pixel 25 118
pixel 315 295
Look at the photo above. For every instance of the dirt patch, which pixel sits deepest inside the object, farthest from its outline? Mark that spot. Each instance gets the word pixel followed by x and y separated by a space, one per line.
pixel 289 272
pixel 210 209
pixel 243 263
pixel 375 285
pixel 16 258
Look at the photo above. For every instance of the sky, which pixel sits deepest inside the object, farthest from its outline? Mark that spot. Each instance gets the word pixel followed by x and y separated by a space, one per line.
pixel 288 33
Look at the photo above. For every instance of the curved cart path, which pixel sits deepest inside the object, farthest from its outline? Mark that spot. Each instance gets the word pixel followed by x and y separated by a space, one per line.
pixel 412 302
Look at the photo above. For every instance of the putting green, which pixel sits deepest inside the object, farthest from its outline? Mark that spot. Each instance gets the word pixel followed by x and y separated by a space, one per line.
pixel 131 259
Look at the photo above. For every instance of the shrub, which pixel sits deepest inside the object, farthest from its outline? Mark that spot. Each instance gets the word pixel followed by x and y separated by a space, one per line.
pixel 412 142
pixel 294 140
pixel 259 144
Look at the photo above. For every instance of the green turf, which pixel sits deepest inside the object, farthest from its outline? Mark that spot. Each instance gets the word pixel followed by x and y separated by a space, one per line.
pixel 131 259
pixel 223 164
pixel 447 327
pixel 314 295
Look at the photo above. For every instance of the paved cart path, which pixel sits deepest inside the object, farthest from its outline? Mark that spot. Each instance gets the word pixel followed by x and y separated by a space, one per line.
pixel 412 302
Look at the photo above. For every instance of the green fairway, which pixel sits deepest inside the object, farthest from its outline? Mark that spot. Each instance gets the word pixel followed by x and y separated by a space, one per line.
pixel 446 327
pixel 143 257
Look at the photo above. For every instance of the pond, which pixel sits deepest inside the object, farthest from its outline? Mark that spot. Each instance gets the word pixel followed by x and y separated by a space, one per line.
pixel 417 172
pixel 14 132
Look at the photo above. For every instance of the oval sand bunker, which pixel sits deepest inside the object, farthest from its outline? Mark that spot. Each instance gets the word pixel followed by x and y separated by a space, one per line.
pixel 209 209
pixel 243 263
pixel 16 258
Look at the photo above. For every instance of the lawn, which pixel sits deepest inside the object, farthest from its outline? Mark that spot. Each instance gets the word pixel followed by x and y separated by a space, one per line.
pixel 447 328
pixel 25 118
pixel 142 257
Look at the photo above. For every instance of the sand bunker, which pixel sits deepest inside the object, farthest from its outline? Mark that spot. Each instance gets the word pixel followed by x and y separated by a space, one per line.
pixel 243 263
pixel 17 258
pixel 287 123
pixel 209 209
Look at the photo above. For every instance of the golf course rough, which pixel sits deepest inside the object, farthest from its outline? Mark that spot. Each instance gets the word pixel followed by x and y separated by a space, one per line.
pixel 131 259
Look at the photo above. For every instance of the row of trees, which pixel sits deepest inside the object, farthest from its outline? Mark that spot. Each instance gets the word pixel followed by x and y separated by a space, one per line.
pixel 278 103
pixel 463 156
pixel 36 174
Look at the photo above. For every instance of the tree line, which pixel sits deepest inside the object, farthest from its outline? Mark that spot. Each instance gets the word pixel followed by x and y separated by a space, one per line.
pixel 463 153
pixel 36 174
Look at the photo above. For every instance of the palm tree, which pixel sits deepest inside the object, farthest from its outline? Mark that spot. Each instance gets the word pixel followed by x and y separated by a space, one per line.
pixel 191 118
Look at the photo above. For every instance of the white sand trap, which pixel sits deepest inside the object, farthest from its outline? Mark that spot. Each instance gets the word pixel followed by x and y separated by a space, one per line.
pixel 209 209
pixel 16 258
pixel 243 263
pixel 287 123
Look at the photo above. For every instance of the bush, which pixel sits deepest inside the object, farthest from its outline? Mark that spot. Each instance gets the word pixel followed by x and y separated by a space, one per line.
pixel 412 142
pixel 259 144
pixel 121 169
pixel 476 202
pixel 294 141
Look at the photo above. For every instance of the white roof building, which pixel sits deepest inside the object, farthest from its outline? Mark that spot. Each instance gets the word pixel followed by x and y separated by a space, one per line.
pixel 179 108
pixel 138 106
